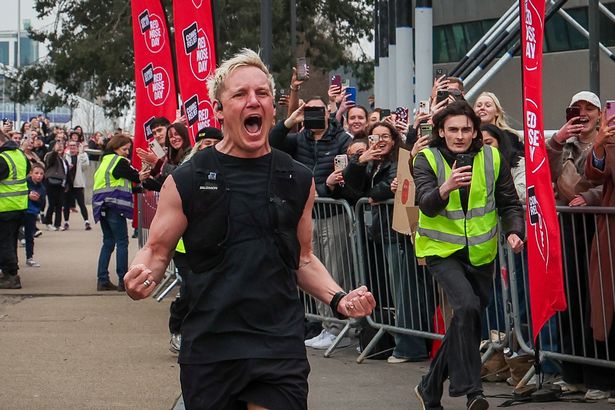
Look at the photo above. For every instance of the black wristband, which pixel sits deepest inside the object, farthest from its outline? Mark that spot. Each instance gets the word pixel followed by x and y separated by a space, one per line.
pixel 335 302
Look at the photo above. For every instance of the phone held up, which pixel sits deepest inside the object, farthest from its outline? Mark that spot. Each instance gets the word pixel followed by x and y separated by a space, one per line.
pixel 336 80
pixel 302 68
pixel 464 160
pixel 314 118
pixel 439 72
pixel 572 112
pixel 610 111
pixel 352 95
pixel 424 107
pixel 402 114
pixel 340 162
pixel 373 139
pixel 426 129
pixel 385 112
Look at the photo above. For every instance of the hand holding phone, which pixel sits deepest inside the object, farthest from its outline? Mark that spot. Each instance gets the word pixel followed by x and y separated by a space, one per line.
pixel 464 160
pixel 573 112
pixel 610 111
pixel 303 69
pixel 314 118
pixel 336 80
pixel 340 162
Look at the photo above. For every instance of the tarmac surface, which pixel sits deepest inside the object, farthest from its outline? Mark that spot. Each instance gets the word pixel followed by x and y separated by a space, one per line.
pixel 63 345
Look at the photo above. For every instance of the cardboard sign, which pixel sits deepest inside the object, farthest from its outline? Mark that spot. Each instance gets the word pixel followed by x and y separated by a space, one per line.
pixel 405 213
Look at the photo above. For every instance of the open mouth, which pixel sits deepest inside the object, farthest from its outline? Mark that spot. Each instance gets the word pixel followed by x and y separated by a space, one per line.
pixel 583 120
pixel 253 124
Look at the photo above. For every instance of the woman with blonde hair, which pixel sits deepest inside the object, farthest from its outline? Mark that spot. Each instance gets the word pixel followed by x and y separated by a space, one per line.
pixel 490 111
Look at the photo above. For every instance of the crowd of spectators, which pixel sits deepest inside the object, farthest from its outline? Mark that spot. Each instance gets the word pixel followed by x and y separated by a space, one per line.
pixel 316 132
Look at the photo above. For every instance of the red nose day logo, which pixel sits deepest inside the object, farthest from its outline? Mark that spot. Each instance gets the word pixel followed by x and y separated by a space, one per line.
pixel 152 30
pixel 197 47
pixel 157 83
pixel 199 113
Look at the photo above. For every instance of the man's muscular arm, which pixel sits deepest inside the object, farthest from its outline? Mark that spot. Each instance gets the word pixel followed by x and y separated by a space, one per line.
pixel 152 260
pixel 313 277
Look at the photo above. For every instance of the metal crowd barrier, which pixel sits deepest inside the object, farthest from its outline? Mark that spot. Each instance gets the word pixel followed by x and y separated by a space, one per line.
pixel 568 337
pixel 147 203
pixel 333 239
pixel 408 297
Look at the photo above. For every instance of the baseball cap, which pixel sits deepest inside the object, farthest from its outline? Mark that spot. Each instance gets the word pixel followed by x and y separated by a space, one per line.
pixel 586 96
pixel 209 132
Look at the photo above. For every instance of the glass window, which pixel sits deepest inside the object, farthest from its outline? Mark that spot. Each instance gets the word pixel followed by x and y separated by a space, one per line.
pixel 577 40
pixel 440 51
pixel 4 52
pixel 607 27
pixel 556 33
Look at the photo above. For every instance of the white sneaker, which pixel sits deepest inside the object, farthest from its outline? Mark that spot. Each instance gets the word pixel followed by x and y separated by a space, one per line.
pixel 569 387
pixel 328 339
pixel 33 263
pixel 310 342
pixel 595 394
pixel 175 343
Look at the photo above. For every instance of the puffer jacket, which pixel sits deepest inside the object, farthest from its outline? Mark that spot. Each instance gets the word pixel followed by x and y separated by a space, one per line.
pixel 317 155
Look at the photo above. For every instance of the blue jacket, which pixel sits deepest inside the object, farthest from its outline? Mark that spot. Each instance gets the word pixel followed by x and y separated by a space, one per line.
pixel 34 207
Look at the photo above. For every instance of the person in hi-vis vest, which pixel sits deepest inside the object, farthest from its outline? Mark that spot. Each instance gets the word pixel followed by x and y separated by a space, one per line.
pixel 112 204
pixel 463 189
pixel 14 168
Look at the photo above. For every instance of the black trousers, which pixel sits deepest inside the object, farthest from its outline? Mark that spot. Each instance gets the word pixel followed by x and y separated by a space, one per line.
pixel 55 196
pixel 467 288
pixel 9 230
pixel 72 195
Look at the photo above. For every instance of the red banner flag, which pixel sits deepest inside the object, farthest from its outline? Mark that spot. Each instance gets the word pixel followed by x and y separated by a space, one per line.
pixel 196 60
pixel 154 78
pixel 547 294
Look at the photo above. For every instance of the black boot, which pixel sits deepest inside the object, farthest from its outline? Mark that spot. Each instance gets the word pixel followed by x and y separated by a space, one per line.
pixel 10 282
pixel 102 286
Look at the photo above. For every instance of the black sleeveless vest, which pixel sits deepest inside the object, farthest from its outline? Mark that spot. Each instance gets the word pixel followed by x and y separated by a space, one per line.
pixel 207 210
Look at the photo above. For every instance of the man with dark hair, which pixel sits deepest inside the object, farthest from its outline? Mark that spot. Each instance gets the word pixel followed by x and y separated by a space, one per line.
pixel 159 127
pixel 14 168
pixel 316 148
pixel 462 188
pixel 244 213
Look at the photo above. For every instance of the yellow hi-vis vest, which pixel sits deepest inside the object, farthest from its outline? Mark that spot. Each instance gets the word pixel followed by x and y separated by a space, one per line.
pixel 181 248
pixel 111 192
pixel 452 229
pixel 14 189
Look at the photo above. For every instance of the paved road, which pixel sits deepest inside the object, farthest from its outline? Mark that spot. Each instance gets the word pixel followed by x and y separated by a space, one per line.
pixel 65 346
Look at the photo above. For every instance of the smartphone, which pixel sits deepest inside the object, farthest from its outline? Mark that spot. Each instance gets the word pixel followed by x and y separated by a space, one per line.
pixel 464 160
pixel 336 79
pixel 155 147
pixel 283 92
pixel 610 111
pixel 352 94
pixel 385 112
pixel 441 96
pixel 314 118
pixel 373 139
pixel 439 72
pixel 402 114
pixel 302 68
pixel 424 107
pixel 340 162
pixel 426 129
pixel 572 112
pixel 346 82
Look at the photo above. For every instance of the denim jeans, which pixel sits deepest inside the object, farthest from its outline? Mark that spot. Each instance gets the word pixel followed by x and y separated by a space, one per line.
pixel 29 225
pixel 115 233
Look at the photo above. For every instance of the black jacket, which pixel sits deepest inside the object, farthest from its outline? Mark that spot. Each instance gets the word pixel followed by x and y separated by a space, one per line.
pixel 317 155
pixel 430 202
pixel 367 180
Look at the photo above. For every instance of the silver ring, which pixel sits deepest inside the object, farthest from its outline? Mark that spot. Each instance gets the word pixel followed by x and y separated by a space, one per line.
pixel 146 283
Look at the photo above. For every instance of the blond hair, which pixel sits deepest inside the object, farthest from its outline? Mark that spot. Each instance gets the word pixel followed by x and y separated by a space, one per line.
pixel 500 115
pixel 244 58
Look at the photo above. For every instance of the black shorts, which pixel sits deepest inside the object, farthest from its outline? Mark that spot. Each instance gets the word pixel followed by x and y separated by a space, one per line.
pixel 276 384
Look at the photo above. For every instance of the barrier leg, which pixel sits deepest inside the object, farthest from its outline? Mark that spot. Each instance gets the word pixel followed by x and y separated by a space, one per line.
pixel 337 340
pixel 165 292
pixel 370 346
